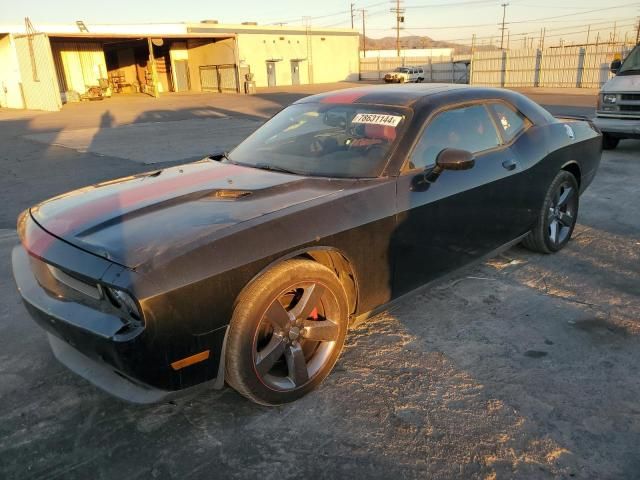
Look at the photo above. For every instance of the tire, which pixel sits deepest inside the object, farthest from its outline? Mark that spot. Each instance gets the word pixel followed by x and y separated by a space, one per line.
pixel 273 355
pixel 401 80
pixel 557 217
pixel 609 142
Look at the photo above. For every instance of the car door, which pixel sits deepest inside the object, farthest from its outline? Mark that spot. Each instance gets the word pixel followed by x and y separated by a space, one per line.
pixel 461 215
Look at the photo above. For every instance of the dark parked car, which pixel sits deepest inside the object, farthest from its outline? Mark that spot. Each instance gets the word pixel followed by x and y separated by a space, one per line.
pixel 249 267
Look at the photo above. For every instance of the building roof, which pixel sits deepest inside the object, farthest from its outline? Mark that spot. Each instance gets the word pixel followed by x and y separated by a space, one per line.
pixel 167 30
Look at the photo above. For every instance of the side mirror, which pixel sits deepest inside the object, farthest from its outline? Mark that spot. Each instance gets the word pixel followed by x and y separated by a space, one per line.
pixel 454 159
pixel 447 159
pixel 615 66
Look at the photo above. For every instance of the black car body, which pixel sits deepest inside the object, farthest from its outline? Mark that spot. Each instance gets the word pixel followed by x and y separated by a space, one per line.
pixel 135 279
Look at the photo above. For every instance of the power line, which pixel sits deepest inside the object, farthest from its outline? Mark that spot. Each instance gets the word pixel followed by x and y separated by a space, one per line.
pixel 576 13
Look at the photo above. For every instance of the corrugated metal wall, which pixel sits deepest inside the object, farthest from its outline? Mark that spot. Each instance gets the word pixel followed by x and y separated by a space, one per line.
pixel 581 67
pixel 487 68
pixel 521 68
pixel 559 67
pixel 37 71
pixel 79 65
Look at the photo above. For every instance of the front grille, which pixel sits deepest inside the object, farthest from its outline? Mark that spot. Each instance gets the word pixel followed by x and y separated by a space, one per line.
pixel 629 108
pixel 630 96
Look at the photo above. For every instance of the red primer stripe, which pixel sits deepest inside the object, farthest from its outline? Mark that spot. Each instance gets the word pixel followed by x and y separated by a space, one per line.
pixel 345 97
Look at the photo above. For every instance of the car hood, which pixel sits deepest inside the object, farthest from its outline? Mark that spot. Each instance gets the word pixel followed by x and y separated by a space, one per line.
pixel 622 83
pixel 133 219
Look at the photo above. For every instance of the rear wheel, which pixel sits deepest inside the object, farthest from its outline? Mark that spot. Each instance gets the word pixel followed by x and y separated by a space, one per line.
pixel 287 331
pixel 557 217
pixel 609 142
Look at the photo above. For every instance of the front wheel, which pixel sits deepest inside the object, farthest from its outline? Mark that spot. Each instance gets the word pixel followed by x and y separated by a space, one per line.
pixel 557 217
pixel 287 331
pixel 609 142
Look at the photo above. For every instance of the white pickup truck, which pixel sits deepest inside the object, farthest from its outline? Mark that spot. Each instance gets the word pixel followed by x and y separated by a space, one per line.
pixel 618 111
pixel 405 74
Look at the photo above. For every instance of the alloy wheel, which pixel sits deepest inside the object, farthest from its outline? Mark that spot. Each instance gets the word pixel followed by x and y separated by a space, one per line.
pixel 562 213
pixel 296 336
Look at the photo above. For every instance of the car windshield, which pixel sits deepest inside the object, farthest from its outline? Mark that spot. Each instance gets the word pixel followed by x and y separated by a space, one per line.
pixel 401 69
pixel 631 63
pixel 330 140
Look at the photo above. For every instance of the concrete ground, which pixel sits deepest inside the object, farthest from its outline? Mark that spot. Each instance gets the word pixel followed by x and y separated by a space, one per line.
pixel 524 366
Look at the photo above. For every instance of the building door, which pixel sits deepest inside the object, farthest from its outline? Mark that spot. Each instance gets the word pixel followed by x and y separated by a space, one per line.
pixel 182 75
pixel 295 72
pixel 38 76
pixel 271 74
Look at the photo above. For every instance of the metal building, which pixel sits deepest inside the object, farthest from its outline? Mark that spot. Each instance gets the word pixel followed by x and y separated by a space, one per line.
pixel 45 67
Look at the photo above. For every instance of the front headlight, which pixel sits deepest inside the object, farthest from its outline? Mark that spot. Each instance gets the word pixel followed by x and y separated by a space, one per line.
pixel 123 301
pixel 609 98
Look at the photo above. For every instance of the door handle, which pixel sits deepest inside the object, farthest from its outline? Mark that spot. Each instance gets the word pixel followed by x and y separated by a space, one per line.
pixel 510 164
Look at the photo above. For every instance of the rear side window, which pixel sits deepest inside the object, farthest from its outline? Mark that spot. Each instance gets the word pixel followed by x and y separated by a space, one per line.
pixel 467 128
pixel 509 120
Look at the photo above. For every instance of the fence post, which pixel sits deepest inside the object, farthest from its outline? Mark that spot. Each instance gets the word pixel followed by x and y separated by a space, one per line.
pixel 453 72
pixel 538 67
pixel 503 69
pixel 581 54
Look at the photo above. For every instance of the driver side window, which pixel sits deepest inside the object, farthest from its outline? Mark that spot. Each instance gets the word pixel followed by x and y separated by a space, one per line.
pixel 467 128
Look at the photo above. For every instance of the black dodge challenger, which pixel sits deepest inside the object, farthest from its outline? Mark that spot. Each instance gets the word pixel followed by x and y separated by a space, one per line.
pixel 248 267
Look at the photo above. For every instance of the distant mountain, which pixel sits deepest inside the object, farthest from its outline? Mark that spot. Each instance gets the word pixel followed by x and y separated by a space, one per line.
pixel 415 41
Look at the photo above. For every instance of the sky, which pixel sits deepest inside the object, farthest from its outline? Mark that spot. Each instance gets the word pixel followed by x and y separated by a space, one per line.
pixel 455 20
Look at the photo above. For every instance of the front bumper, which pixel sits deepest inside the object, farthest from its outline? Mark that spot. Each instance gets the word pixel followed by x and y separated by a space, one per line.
pixel 623 127
pixel 132 366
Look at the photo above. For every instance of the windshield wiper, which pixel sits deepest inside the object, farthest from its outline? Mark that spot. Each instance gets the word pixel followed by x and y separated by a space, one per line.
pixel 274 168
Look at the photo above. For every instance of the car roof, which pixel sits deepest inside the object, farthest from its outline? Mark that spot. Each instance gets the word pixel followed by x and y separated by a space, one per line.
pixel 403 95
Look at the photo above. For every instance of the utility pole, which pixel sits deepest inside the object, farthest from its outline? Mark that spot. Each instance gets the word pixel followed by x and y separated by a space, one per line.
pixel 352 15
pixel 613 40
pixel 544 32
pixel 364 34
pixel 504 14
pixel 638 32
pixel 399 11
pixel 473 43
pixel 588 34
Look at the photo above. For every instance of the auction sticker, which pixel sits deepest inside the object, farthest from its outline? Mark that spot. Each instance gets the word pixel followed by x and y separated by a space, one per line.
pixel 377 119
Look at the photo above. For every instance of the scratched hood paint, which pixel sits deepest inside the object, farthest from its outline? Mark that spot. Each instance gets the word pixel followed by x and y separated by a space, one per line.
pixel 134 219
